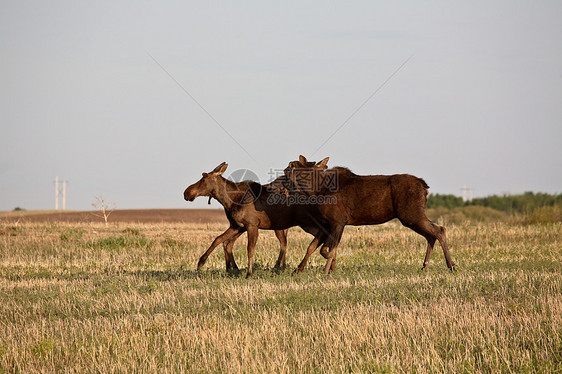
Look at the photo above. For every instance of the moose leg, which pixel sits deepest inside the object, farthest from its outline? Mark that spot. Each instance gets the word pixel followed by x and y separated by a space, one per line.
pixel 228 255
pixel 324 251
pixel 252 240
pixel 334 241
pixel 331 262
pixel 333 266
pixel 443 241
pixel 229 233
pixel 318 239
pixel 282 237
pixel 430 244
pixel 432 232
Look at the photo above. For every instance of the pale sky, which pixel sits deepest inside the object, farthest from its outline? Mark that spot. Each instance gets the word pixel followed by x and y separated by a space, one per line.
pixel 478 103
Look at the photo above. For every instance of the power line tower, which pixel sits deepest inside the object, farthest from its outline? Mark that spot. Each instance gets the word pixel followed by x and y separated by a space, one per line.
pixel 467 193
pixel 60 189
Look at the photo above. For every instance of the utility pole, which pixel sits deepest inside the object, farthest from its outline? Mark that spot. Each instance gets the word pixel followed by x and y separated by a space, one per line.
pixel 64 195
pixel 467 191
pixel 60 189
pixel 57 193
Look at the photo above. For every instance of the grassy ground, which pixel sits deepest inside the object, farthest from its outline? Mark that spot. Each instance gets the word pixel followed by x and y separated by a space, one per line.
pixel 125 298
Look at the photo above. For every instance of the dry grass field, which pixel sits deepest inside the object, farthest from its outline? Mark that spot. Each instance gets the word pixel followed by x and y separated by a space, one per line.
pixel 85 297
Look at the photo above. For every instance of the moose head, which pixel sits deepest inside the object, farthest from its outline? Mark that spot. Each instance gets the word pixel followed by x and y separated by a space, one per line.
pixel 206 186
pixel 301 172
pixel 303 163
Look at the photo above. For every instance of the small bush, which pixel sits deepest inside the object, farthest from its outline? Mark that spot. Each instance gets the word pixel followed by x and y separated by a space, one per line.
pixel 132 231
pixel 120 242
pixel 542 215
pixel 71 234
pixel 11 230
pixel 465 214
pixel 481 214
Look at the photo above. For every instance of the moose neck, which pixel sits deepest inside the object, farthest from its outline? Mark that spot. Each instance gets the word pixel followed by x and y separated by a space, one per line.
pixel 226 192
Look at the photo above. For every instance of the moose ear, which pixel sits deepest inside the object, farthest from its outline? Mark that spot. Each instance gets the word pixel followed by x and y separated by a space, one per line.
pixel 220 169
pixel 323 163
pixel 302 160
pixel 205 175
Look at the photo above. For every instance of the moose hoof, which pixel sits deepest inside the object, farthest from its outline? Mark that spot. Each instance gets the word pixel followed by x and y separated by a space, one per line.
pixel 278 269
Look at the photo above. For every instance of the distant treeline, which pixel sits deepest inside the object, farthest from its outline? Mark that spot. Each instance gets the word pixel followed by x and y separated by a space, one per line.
pixel 524 203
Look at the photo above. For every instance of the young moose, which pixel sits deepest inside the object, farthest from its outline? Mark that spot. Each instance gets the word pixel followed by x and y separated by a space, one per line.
pixel 281 185
pixel 248 208
pixel 368 200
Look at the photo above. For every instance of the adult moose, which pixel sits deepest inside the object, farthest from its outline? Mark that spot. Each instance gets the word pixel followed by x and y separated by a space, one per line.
pixel 249 207
pixel 368 200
